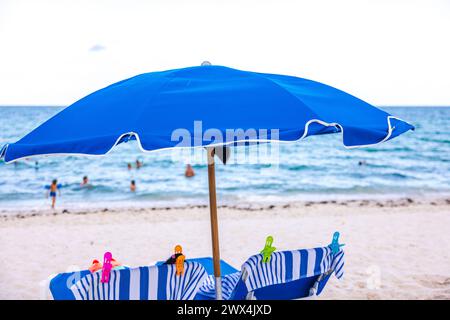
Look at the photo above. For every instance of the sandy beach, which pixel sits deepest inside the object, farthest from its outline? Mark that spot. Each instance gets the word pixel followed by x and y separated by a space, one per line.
pixel 395 249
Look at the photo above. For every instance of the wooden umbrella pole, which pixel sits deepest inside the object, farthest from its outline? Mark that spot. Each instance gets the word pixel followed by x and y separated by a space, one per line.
pixel 214 222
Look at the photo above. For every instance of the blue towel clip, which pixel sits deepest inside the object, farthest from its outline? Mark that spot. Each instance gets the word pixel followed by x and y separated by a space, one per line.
pixel 335 245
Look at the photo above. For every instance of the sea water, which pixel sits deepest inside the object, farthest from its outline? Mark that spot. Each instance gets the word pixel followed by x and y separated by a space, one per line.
pixel 414 164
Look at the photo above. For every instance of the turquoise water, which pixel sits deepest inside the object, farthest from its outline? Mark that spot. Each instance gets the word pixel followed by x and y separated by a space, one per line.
pixel 416 163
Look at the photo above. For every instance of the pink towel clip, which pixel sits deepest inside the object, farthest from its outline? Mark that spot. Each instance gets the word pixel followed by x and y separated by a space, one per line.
pixel 107 266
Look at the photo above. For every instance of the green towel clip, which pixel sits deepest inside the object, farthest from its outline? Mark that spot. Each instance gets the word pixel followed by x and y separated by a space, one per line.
pixel 268 249
pixel 335 245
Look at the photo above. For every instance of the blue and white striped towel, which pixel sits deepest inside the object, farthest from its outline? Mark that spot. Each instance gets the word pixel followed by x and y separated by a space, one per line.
pixel 143 283
pixel 285 266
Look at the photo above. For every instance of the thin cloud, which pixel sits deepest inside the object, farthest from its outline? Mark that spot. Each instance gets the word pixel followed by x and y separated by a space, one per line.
pixel 96 48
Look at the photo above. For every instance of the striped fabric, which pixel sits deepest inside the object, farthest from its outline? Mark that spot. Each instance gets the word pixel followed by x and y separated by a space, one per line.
pixel 143 283
pixel 229 282
pixel 338 264
pixel 285 266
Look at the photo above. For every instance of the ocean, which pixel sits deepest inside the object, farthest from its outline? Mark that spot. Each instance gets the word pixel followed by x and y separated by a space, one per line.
pixel 414 164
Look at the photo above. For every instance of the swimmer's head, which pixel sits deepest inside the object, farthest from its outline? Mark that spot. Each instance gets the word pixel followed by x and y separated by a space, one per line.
pixel 54 181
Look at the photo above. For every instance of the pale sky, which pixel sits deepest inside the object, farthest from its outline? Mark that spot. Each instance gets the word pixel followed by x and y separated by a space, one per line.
pixel 392 52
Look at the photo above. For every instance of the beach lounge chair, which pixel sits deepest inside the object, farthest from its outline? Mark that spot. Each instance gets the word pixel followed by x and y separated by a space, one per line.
pixel 158 282
pixel 230 277
pixel 287 275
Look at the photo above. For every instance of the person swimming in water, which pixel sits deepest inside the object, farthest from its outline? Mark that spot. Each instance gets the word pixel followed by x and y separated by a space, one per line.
pixel 133 186
pixel 52 192
pixel 189 171
pixel 138 164
pixel 129 166
pixel 85 182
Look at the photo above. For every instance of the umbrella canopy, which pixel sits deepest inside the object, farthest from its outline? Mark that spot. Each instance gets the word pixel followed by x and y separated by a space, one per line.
pixel 199 106
pixel 150 107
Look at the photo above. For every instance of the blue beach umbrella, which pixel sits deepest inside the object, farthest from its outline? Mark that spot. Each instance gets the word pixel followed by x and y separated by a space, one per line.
pixel 199 107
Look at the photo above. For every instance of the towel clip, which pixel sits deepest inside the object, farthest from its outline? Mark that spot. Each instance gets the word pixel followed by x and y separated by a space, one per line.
pixel 268 249
pixel 107 266
pixel 179 260
pixel 335 245
pixel 95 266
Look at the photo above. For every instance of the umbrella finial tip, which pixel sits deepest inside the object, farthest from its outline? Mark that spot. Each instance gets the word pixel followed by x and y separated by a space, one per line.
pixel 206 63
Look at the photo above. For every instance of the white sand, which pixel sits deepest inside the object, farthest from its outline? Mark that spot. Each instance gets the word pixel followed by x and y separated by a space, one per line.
pixel 398 251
